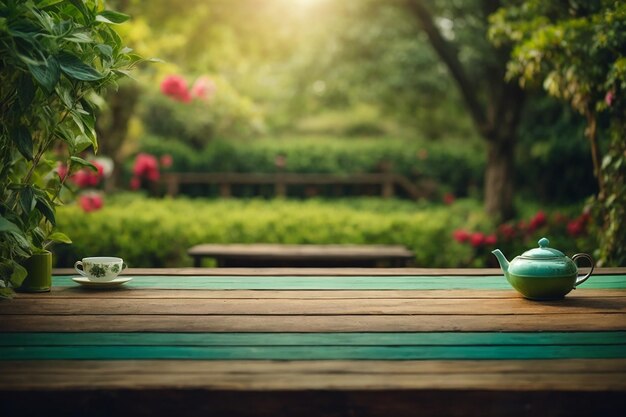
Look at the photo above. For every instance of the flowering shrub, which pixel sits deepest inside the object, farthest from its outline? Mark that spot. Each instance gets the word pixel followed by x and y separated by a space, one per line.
pixel 87 181
pixel 516 237
pixel 175 87
pixel 90 202
pixel 147 170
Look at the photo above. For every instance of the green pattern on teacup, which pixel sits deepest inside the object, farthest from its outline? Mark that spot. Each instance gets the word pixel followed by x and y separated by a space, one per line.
pixel 115 268
pixel 98 270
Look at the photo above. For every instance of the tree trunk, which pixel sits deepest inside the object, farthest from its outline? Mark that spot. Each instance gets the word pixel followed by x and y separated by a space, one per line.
pixel 499 178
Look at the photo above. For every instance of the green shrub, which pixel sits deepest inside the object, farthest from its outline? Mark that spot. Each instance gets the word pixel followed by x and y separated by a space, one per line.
pixel 157 233
pixel 456 168
pixel 226 115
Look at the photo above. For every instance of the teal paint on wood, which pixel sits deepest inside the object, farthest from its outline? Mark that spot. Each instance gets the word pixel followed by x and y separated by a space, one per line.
pixel 339 282
pixel 315 339
pixel 312 352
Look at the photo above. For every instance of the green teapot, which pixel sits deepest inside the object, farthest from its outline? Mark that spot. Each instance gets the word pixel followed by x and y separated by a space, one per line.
pixel 543 273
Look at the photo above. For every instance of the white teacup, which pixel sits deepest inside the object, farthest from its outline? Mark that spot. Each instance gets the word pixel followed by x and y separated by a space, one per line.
pixel 100 268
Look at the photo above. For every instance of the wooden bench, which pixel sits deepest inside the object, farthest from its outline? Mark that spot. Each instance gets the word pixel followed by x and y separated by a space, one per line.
pixel 276 255
pixel 386 181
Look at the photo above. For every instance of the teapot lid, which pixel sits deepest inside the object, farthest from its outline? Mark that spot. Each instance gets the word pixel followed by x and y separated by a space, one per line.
pixel 543 251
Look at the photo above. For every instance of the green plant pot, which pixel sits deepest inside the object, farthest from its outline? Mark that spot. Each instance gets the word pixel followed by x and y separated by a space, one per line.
pixel 39 273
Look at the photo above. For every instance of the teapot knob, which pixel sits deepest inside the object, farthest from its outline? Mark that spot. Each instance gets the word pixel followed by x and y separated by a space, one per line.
pixel 543 242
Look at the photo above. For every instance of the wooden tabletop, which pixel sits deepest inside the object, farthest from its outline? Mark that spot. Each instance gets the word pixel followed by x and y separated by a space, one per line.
pixel 261 254
pixel 285 343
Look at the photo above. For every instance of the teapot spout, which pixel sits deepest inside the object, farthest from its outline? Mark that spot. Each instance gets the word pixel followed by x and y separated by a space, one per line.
pixel 504 263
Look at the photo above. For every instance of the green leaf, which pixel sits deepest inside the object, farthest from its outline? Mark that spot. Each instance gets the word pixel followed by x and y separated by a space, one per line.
pixel 82 8
pixel 7 226
pixel 25 90
pixel 6 292
pixel 27 199
pixel 105 50
pixel 79 37
pixel 59 237
pixel 23 140
pixel 45 208
pixel 18 275
pixel 47 73
pixel 86 125
pixel 109 16
pixel 73 67
pixel 81 142
pixel 84 163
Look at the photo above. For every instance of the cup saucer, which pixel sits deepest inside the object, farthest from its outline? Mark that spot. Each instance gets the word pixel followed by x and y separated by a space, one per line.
pixel 85 282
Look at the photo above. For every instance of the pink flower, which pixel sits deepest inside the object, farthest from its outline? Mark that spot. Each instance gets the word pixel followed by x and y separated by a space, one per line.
pixel 608 99
pixel 477 239
pixel 575 227
pixel 62 171
pixel 90 202
pixel 135 183
pixel 507 231
pixel 166 160
pixel 491 240
pixel 175 86
pixel 537 221
pixel 448 198
pixel 204 88
pixel 461 235
pixel 146 166
pixel 87 178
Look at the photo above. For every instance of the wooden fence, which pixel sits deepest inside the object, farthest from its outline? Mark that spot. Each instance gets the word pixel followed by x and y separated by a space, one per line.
pixel 387 182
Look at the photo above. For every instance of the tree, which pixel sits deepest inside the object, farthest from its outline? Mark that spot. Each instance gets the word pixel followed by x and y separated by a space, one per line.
pixel 494 103
pixel 577 51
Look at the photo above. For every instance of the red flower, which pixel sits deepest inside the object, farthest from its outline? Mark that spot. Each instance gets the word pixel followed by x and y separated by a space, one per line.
pixel 575 227
pixel 477 239
pixel 537 221
pixel 87 178
pixel 448 198
pixel 608 99
pixel 90 202
pixel 62 171
pixel 491 239
pixel 146 166
pixel 203 88
pixel 507 231
pixel 578 226
pixel 461 235
pixel 166 160
pixel 135 183
pixel 175 86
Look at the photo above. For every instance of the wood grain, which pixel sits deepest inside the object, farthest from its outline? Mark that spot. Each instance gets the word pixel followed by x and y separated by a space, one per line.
pixel 312 323
pixel 311 306
pixel 266 376
pixel 125 292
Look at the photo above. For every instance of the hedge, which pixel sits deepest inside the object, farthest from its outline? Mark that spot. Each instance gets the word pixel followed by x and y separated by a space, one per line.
pixel 457 168
pixel 157 233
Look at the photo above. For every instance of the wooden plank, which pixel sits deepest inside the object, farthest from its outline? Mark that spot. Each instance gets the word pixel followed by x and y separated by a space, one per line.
pixel 126 292
pixel 286 306
pixel 324 271
pixel 338 283
pixel 533 375
pixel 315 339
pixel 286 251
pixel 313 323
pixel 300 353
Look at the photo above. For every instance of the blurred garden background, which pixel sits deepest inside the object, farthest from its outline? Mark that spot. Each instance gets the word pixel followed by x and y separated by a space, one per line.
pixel 508 118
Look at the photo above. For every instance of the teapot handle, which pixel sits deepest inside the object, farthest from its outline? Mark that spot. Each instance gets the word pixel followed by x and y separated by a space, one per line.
pixel 590 259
